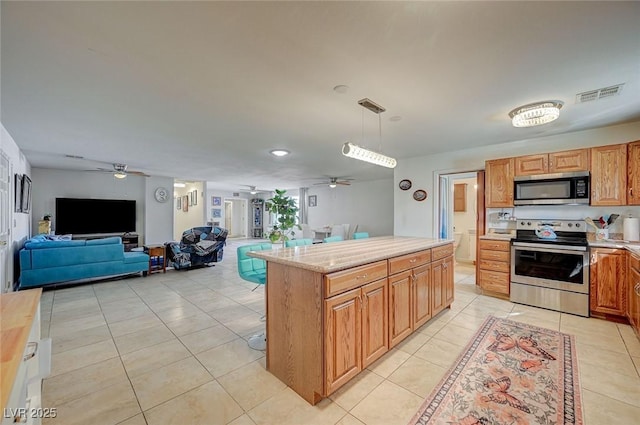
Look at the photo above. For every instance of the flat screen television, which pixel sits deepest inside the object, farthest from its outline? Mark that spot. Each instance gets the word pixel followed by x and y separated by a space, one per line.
pixel 87 216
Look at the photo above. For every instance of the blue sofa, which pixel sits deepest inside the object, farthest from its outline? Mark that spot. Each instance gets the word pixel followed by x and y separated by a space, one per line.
pixel 44 262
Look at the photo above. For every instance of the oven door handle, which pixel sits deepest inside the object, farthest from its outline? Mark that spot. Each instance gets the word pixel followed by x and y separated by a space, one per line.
pixel 543 247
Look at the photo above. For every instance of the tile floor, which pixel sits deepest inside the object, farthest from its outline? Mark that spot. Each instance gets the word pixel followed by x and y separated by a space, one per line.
pixel 171 349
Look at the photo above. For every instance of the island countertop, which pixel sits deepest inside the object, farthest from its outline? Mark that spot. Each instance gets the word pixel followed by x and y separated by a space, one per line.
pixel 332 257
pixel 17 312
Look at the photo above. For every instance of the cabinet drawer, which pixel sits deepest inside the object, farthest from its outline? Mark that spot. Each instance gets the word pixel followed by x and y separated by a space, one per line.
pixel 634 262
pixel 485 254
pixel 338 282
pixel 495 245
pixel 409 261
pixel 496 266
pixel 494 281
pixel 441 251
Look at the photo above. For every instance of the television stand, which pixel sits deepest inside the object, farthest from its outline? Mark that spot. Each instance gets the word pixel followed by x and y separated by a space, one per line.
pixel 129 240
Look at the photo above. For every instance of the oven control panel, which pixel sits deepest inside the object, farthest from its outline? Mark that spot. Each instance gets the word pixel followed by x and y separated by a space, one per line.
pixel 557 225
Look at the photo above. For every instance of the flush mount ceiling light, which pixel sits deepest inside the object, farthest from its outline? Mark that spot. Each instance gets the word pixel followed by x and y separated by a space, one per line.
pixel 363 154
pixel 178 184
pixel 279 152
pixel 536 113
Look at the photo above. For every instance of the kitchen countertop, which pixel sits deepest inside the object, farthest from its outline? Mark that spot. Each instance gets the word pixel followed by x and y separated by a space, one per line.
pixel 612 243
pixel 498 236
pixel 17 312
pixel 331 257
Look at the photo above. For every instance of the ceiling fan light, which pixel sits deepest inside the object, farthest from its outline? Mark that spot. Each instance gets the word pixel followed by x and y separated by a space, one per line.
pixel 279 152
pixel 332 185
pixel 357 152
pixel 119 175
pixel 535 114
pixel 253 192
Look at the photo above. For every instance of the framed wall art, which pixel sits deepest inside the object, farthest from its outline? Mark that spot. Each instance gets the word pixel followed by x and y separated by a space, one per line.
pixel 216 212
pixel 313 200
pixel 216 201
pixel 25 204
pixel 185 203
pixel 194 197
pixel 17 190
pixel 179 203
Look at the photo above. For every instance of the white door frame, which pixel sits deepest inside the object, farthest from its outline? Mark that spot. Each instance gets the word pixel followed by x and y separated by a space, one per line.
pixel 6 218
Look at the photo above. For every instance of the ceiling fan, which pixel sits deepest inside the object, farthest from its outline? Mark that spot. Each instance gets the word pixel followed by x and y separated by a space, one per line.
pixel 121 171
pixel 252 189
pixel 334 181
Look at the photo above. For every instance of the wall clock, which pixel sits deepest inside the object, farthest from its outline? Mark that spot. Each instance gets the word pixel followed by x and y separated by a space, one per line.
pixel 420 195
pixel 161 194
pixel 405 184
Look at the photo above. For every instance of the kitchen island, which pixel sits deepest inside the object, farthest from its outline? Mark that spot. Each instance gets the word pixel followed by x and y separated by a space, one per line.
pixel 333 309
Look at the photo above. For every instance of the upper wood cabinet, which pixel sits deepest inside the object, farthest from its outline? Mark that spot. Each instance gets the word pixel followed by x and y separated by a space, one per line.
pixel 499 183
pixel 633 160
pixel 568 161
pixel 459 197
pixel 609 175
pixel 555 162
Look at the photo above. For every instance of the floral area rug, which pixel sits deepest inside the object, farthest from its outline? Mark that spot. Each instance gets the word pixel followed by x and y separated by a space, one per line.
pixel 510 373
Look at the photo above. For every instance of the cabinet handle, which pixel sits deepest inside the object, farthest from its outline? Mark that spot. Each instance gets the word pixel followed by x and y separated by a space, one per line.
pixel 593 258
pixel 360 299
pixel 413 260
pixel 364 276
pixel 636 289
pixel 631 191
pixel 32 349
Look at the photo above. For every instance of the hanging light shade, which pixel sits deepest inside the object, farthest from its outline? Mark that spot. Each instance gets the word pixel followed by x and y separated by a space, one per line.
pixel 119 175
pixel 536 113
pixel 363 154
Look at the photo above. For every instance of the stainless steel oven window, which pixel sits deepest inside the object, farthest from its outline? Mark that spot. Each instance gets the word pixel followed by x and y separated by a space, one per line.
pixel 557 268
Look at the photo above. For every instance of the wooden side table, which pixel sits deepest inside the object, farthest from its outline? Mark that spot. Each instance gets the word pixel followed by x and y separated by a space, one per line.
pixel 157 259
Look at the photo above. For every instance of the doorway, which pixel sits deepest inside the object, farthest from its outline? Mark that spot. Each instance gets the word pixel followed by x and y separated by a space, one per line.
pixel 459 213
pixel 235 217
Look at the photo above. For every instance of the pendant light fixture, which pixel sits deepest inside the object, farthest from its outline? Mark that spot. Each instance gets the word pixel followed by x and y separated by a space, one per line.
pixel 363 154
pixel 536 113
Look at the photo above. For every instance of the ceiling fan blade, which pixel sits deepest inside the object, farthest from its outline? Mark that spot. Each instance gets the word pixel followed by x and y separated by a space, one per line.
pixel 323 183
pixel 138 173
pixel 344 183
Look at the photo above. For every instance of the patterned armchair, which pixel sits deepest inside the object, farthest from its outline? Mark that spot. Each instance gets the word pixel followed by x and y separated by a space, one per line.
pixel 197 246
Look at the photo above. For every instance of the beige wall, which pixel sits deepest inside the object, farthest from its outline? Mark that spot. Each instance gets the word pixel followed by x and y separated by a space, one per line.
pixel 194 216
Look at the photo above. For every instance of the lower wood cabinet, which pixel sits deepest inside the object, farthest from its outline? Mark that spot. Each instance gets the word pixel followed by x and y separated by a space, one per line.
pixel 356 332
pixel 608 284
pixel 442 283
pixel 633 290
pixel 494 266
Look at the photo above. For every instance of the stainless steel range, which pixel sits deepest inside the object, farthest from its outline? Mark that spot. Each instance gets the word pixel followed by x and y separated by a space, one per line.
pixel 550 265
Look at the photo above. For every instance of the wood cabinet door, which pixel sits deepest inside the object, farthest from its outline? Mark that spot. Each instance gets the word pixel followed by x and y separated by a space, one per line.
pixel 448 281
pixel 438 287
pixel 421 295
pixel 568 161
pixel 375 329
pixel 400 307
pixel 608 281
pixel 499 183
pixel 531 164
pixel 633 299
pixel 633 195
pixel 609 175
pixel 343 337
pixel 459 197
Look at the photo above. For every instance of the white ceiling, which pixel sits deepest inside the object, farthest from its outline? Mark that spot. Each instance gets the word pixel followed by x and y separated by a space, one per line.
pixel 203 90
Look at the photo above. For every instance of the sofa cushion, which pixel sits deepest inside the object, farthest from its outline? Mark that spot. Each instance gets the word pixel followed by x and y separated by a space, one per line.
pixel 105 241
pixel 54 244
pixel 66 256
pixel 136 257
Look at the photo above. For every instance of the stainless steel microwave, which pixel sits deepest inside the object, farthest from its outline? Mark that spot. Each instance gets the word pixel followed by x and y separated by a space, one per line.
pixel 552 189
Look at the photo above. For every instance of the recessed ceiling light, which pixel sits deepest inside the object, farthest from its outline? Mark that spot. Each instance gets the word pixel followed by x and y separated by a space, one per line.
pixel 178 184
pixel 395 118
pixel 279 152
pixel 341 88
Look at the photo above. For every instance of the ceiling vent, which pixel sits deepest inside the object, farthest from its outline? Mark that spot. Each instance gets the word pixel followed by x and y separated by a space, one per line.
pixel 598 94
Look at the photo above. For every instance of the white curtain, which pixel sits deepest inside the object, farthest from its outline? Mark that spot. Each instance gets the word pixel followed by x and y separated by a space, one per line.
pixel 302 204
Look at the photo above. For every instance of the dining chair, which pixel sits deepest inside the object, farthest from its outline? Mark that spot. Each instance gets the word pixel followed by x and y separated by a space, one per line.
pixel 298 242
pixel 338 230
pixel 333 239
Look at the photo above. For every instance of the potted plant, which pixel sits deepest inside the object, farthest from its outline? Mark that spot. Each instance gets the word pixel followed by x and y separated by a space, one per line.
pixel 285 210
